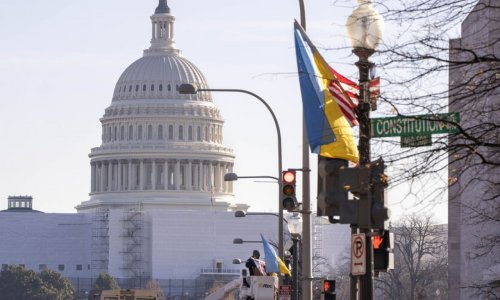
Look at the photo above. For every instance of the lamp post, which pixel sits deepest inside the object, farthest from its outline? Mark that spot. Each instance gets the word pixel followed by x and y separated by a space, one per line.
pixel 187 88
pixel 364 28
pixel 295 228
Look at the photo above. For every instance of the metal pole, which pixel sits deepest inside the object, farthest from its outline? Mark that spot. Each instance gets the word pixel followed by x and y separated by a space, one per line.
pixel 295 269
pixel 363 112
pixel 280 167
pixel 306 200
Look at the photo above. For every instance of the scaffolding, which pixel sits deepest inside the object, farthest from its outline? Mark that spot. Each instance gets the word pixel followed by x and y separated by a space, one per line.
pixel 133 243
pixel 100 241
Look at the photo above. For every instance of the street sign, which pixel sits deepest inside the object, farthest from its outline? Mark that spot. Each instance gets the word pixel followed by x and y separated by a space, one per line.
pixel 358 254
pixel 285 292
pixel 416 140
pixel 419 125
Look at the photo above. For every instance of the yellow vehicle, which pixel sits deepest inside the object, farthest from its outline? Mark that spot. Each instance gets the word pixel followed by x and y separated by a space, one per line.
pixel 129 295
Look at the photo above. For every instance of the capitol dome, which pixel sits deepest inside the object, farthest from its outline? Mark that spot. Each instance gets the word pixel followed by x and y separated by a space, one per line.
pixel 157 76
pixel 160 147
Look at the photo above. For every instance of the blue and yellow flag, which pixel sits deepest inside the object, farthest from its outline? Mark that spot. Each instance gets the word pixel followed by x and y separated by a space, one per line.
pixel 274 264
pixel 328 131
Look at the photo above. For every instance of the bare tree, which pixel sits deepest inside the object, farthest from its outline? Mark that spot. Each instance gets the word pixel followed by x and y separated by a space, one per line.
pixel 421 260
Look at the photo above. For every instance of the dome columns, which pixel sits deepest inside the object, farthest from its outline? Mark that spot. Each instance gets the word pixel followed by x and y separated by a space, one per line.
pixel 159 175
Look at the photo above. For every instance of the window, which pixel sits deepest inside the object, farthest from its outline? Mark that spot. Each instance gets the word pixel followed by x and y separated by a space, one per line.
pixel 109 134
pixel 150 132
pixel 168 87
pixel 60 267
pixel 152 87
pixel 79 267
pixel 160 87
pixel 130 88
pixel 42 267
pixel 198 133
pixel 139 132
pixel 170 132
pixel 160 132
pixel 206 133
pixel 181 132
pixel 144 88
pixel 115 133
pixel 122 133
pixel 131 132
pixel 137 88
pixel 190 133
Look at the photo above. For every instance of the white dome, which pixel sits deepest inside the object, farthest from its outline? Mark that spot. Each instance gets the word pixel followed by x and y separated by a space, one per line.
pixel 158 77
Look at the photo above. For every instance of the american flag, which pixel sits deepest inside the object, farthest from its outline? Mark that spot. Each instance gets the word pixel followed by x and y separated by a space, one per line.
pixel 346 94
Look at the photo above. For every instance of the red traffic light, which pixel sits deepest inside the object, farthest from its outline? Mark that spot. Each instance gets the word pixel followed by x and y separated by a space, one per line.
pixel 288 177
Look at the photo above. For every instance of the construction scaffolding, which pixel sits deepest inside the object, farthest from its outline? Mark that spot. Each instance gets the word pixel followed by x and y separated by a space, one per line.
pixel 133 243
pixel 100 241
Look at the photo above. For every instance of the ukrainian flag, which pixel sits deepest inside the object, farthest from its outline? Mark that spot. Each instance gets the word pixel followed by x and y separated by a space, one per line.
pixel 274 264
pixel 328 131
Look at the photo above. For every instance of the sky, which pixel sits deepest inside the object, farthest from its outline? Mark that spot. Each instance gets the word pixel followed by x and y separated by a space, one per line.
pixel 60 60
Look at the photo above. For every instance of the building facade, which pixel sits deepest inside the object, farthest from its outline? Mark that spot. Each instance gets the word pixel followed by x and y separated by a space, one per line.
pixel 474 227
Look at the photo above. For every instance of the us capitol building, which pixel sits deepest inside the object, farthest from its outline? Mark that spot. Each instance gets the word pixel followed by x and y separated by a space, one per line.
pixel 159 208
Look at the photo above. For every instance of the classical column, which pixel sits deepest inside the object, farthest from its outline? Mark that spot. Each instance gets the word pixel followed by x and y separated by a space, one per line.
pixel 119 176
pixel 92 177
pixel 153 174
pixel 102 176
pixel 141 175
pixel 204 175
pixel 130 176
pixel 189 176
pixel 177 175
pixel 165 174
pixel 110 175
pixel 196 172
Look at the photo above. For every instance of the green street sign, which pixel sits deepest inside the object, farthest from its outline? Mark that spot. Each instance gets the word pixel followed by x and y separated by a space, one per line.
pixel 408 141
pixel 419 125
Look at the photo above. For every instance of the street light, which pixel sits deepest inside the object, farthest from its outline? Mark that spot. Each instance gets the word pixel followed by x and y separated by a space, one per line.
pixel 241 214
pixel 234 177
pixel 364 29
pixel 187 88
pixel 239 241
pixel 295 228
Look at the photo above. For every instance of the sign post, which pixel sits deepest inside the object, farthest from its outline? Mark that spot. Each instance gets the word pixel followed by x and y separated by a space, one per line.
pixel 358 254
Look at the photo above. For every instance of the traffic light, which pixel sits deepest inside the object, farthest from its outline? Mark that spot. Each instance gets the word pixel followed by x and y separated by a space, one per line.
pixel 383 256
pixel 289 198
pixel 329 289
pixel 335 180
pixel 379 212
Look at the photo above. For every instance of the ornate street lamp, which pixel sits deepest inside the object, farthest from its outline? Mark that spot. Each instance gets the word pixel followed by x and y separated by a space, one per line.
pixel 365 28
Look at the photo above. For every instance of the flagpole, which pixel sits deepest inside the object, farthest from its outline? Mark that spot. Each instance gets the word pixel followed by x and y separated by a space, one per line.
pixel 306 200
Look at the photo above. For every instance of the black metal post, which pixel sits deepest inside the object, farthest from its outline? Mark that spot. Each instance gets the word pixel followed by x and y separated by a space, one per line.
pixel 295 270
pixel 363 114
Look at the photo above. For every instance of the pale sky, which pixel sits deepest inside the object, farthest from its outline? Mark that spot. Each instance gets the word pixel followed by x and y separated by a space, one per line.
pixel 60 60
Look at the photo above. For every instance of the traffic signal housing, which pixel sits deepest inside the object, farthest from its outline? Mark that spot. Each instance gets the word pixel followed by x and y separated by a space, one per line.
pixel 289 198
pixel 335 180
pixel 328 291
pixel 380 213
pixel 383 256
